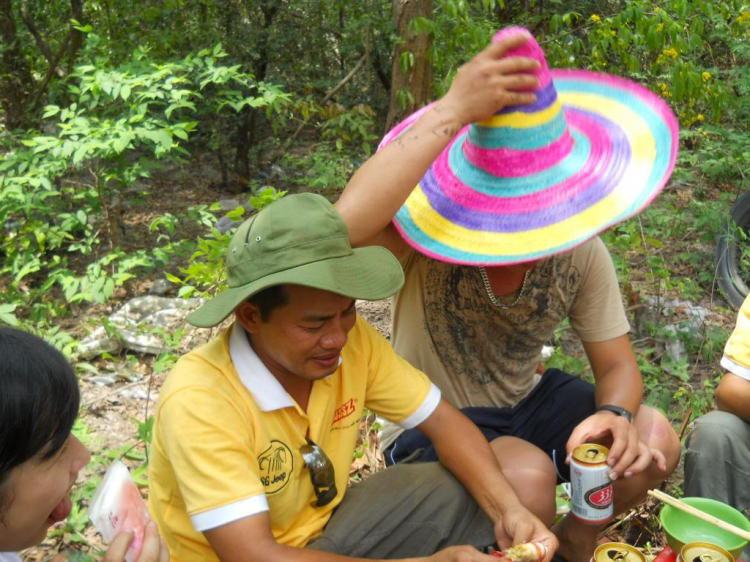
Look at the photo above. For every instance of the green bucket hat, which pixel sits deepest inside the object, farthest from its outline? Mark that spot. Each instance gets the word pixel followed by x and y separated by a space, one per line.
pixel 301 240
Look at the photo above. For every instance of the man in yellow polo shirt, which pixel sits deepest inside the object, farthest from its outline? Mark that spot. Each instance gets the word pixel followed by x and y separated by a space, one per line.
pixel 255 431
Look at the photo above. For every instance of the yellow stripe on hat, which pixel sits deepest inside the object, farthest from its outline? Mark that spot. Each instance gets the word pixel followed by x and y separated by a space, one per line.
pixel 521 120
pixel 643 155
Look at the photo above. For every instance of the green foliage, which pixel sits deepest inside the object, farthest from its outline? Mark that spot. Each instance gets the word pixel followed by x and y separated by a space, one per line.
pixel 61 191
pixel 459 29
pixel 672 241
pixel 353 128
pixel 667 252
pixel 206 272
pixel 693 53
pixel 564 362
pixel 7 315
pixel 697 401
pixel 322 169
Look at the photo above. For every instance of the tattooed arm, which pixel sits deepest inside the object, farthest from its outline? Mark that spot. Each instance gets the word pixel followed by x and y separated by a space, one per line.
pixel 379 188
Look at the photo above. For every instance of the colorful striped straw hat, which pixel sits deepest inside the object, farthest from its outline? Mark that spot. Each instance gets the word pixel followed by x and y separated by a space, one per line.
pixel 537 180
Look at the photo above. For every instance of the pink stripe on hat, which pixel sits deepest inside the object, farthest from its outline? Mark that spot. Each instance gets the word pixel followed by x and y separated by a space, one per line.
pixel 467 197
pixel 510 163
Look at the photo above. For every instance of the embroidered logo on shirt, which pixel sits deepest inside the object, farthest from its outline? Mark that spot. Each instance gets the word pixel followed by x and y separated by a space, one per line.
pixel 276 466
pixel 346 410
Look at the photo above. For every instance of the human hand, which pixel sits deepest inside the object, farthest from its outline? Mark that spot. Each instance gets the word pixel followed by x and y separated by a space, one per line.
pixel 460 554
pixel 488 82
pixel 518 525
pixel 628 455
pixel 154 549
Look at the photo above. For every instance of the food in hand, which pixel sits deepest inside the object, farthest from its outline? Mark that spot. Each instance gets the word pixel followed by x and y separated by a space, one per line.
pixel 118 506
pixel 524 552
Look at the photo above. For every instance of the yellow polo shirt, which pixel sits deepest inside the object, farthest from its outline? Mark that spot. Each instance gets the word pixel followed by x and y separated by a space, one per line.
pixel 736 358
pixel 227 436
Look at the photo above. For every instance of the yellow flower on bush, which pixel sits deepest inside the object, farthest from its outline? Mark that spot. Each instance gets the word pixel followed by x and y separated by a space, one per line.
pixel 671 52
pixel 706 76
pixel 744 16
pixel 657 9
pixel 700 117
pixel 660 27
pixel 663 90
pixel 595 18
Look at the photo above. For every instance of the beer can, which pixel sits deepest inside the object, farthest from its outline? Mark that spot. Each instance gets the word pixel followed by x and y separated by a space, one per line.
pixel 617 552
pixel 704 552
pixel 591 489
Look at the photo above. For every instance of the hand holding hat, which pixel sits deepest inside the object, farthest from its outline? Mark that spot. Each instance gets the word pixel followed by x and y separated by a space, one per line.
pixel 492 80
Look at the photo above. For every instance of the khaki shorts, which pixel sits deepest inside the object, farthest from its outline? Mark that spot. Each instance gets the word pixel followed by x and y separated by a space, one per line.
pixel 405 511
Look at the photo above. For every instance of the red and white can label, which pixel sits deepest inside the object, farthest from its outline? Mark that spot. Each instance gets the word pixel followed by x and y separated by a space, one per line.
pixel 600 497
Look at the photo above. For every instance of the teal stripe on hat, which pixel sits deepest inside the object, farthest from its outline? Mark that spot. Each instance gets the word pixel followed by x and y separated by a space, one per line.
pixel 528 138
pixel 484 182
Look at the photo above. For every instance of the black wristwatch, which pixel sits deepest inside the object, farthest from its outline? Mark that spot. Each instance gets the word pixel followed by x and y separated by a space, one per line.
pixel 619 410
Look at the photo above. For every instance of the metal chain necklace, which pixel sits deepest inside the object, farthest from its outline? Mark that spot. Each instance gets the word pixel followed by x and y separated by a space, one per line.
pixel 491 295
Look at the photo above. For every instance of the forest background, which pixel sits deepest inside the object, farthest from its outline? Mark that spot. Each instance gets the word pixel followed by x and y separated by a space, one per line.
pixel 135 134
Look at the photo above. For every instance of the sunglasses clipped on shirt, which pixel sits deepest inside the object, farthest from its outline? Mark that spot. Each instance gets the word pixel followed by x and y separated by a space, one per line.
pixel 321 473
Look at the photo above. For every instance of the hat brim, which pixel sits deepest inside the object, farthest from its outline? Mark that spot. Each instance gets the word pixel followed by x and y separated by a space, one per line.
pixel 624 148
pixel 370 273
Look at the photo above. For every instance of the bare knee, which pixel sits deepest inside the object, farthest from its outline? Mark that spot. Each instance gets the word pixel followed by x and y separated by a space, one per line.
pixel 531 474
pixel 658 434
pixel 655 430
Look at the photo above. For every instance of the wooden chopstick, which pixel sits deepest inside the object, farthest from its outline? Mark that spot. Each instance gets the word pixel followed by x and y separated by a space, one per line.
pixel 682 506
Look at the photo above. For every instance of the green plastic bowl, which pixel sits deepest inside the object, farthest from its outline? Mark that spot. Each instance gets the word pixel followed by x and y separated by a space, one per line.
pixel 682 528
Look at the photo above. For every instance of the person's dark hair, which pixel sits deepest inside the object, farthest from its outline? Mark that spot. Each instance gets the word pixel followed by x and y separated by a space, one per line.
pixel 39 400
pixel 269 300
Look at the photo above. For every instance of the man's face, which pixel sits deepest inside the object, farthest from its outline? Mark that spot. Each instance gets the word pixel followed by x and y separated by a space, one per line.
pixel 304 337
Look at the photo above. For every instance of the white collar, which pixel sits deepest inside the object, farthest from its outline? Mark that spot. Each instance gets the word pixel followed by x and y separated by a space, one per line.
pixel 255 376
pixel 267 391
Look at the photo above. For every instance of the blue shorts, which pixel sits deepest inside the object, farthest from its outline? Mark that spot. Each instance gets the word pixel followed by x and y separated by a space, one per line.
pixel 545 418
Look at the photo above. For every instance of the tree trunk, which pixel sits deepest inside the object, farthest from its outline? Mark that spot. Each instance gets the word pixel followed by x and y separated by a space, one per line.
pixel 76 7
pixel 381 70
pixel 246 133
pixel 15 77
pixel 417 77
